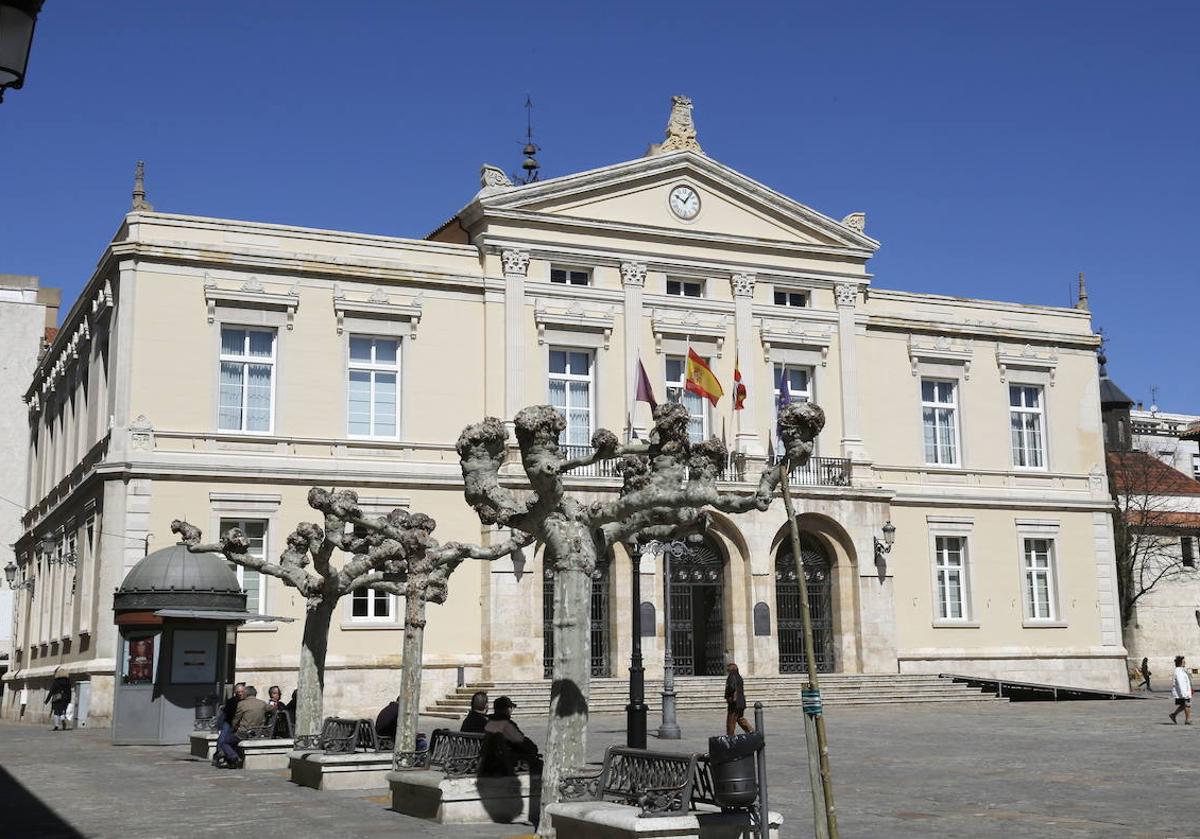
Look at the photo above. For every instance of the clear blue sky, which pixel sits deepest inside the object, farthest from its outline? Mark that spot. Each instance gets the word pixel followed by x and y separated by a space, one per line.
pixel 998 148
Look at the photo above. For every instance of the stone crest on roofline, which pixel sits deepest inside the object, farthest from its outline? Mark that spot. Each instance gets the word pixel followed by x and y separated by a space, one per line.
pixel 681 129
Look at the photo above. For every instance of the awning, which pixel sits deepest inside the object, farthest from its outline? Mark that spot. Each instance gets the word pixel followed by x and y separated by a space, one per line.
pixel 211 615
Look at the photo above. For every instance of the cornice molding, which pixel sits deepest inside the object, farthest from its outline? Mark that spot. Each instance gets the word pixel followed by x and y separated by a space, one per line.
pixel 573 316
pixel 379 305
pixel 251 294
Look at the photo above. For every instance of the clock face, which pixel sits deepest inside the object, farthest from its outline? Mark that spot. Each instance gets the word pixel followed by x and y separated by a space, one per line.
pixel 685 203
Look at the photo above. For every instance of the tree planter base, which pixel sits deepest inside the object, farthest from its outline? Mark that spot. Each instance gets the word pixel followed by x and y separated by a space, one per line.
pixel 606 820
pixel 361 770
pixel 431 795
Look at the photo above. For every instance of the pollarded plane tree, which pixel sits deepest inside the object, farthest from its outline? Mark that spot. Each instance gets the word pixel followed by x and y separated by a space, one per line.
pixel 668 483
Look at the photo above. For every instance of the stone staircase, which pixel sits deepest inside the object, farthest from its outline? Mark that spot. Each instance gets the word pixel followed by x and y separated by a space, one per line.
pixel 705 693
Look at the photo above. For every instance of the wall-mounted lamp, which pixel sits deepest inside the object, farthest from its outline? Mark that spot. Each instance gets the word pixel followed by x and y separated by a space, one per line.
pixel 882 549
pixel 49 548
pixel 10 574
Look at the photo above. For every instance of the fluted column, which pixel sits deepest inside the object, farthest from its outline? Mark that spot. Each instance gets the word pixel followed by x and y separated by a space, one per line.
pixel 633 279
pixel 516 265
pixel 748 440
pixel 846 295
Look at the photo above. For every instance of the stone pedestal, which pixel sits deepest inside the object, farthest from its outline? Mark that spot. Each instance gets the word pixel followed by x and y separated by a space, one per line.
pixel 431 795
pixel 361 770
pixel 204 744
pixel 606 820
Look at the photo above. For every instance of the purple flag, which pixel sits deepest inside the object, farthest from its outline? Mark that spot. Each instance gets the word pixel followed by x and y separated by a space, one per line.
pixel 644 392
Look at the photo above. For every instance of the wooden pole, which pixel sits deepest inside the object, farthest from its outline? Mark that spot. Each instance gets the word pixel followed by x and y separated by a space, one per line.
pixel 819 720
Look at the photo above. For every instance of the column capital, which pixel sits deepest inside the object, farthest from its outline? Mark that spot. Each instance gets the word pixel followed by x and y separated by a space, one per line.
pixel 846 295
pixel 743 285
pixel 633 273
pixel 516 262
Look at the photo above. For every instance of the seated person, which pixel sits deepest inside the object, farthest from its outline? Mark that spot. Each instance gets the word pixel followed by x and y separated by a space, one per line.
pixel 225 720
pixel 251 713
pixel 476 719
pixel 274 698
pixel 385 723
pixel 506 743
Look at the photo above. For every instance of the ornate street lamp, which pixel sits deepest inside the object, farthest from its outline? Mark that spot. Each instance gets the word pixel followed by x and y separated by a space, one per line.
pixel 49 549
pixel 636 710
pixel 10 573
pixel 17 19
pixel 882 549
pixel 669 729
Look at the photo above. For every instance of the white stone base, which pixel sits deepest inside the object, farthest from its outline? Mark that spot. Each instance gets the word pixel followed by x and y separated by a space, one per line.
pixel 431 795
pixel 361 770
pixel 606 820
pixel 260 754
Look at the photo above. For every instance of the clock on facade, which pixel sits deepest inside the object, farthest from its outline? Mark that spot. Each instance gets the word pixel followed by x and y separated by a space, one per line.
pixel 685 203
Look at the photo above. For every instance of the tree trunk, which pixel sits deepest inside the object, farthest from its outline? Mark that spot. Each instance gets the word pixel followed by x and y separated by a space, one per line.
pixel 566 740
pixel 310 685
pixel 410 680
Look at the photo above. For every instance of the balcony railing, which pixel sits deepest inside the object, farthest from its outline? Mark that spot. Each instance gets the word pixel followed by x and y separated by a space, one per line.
pixel 819 471
pixel 603 469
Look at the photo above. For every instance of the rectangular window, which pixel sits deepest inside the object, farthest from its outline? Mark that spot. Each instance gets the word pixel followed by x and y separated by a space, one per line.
pixel 371 394
pixel 247 380
pixel 1188 552
pixel 1196 466
pixel 939 411
pixel 799 385
pixel 570 276
pixel 1027 418
pixel 1039 579
pixel 950 566
pixel 571 394
pixel 685 288
pixel 795 299
pixel 370 605
pixel 250 580
pixel 676 373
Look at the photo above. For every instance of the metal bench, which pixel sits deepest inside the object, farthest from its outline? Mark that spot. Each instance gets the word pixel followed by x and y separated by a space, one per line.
pixel 277 727
pixel 456 753
pixel 658 783
pixel 340 735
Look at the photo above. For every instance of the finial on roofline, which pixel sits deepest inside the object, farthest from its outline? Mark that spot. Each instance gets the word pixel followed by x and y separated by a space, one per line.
pixel 140 204
pixel 529 165
pixel 1082 303
pixel 681 129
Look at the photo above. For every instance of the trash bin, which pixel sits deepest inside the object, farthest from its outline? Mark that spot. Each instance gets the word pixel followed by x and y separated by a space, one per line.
pixel 206 709
pixel 732 760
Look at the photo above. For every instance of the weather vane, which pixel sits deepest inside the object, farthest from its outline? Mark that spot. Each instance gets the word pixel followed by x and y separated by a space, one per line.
pixel 530 164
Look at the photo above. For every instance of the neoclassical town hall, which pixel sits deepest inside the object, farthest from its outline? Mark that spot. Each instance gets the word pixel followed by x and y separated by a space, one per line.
pixel 214 370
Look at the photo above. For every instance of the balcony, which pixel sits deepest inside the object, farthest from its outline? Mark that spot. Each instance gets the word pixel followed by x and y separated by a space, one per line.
pixel 818 472
pixel 821 472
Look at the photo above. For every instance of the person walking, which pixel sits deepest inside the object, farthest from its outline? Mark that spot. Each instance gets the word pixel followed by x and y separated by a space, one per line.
pixel 58 698
pixel 1181 691
pixel 1145 671
pixel 735 701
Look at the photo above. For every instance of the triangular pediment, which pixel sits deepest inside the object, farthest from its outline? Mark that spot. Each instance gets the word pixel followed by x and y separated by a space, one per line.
pixel 636 193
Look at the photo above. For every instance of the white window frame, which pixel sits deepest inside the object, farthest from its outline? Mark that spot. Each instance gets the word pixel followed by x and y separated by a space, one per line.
pixel 576 379
pixel 682 285
pixel 798 397
pixel 678 386
pixel 1039 413
pixel 372 367
pixel 373 598
pixel 246 361
pixel 571 274
pixel 791 295
pixel 952 527
pixel 1047 532
pixel 956 426
pixel 943 568
pixel 224 523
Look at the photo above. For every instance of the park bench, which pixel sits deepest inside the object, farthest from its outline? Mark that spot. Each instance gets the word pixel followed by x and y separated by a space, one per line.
pixel 657 783
pixel 347 754
pixel 342 735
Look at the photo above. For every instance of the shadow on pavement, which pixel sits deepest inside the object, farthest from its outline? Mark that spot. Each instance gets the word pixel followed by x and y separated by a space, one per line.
pixel 27 815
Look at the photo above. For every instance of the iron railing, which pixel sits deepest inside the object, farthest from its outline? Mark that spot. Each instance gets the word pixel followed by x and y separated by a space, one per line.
pixel 602 469
pixel 821 472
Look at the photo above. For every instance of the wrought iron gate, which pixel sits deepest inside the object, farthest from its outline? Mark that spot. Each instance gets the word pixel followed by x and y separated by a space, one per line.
pixel 818 578
pixel 601 664
pixel 697 625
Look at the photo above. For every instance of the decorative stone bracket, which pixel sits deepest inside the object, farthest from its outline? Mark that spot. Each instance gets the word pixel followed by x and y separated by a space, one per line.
pixel 253 295
pixel 1026 358
pixel 796 334
pixel 574 316
pixel 379 305
pixel 666 322
pixel 941 349
pixel 141 434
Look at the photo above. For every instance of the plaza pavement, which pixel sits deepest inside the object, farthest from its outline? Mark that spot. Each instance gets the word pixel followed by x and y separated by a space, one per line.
pixel 1082 769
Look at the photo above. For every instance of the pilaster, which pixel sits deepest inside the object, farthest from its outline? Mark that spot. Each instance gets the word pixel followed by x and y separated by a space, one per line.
pixel 846 296
pixel 748 440
pixel 516 266
pixel 633 279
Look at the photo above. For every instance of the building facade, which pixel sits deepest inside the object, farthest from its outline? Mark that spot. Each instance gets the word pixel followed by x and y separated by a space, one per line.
pixel 29 315
pixel 214 370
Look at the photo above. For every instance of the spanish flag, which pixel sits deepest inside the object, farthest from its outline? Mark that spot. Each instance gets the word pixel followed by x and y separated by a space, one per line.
pixel 700 379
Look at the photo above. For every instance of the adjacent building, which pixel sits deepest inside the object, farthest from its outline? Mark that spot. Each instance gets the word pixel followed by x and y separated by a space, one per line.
pixel 28 318
pixel 215 369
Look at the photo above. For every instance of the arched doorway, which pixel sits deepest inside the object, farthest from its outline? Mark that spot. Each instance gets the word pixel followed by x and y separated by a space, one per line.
pixel 819 579
pixel 697 623
pixel 601 662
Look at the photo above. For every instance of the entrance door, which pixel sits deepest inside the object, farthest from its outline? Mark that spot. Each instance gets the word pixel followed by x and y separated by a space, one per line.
pixel 697 626
pixel 601 664
pixel 818 579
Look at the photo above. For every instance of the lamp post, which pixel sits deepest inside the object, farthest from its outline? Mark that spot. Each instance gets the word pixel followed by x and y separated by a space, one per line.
pixel 635 711
pixel 17 19
pixel 669 728
pixel 10 575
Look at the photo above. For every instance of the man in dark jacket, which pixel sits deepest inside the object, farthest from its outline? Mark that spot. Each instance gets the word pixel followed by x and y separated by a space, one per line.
pixel 505 743
pixel 58 698
pixel 225 720
pixel 385 722
pixel 251 713
pixel 476 719
pixel 735 701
